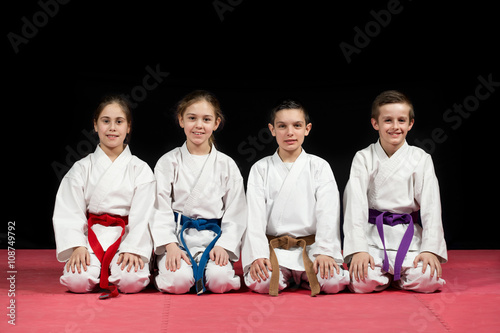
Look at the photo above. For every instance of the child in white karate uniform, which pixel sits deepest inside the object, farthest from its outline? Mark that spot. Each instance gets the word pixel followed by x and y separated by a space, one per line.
pixel 389 183
pixel 293 232
pixel 102 211
pixel 201 207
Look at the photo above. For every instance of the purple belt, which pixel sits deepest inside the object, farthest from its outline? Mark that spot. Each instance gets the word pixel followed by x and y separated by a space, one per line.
pixel 392 219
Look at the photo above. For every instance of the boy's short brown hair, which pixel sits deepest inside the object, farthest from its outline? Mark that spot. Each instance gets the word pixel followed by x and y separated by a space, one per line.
pixel 389 97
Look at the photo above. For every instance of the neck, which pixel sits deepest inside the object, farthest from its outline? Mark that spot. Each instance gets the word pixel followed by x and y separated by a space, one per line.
pixel 289 156
pixel 202 149
pixel 112 153
pixel 390 149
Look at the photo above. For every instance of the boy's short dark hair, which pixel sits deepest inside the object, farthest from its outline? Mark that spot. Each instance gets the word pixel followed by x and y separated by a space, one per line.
pixel 288 104
pixel 390 97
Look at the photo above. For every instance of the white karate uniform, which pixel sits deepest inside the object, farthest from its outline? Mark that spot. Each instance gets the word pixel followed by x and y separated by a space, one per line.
pixel 298 202
pixel 403 183
pixel 95 184
pixel 209 189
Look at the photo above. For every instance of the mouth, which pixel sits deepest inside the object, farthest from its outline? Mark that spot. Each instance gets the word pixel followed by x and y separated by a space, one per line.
pixel 198 133
pixel 111 136
pixel 290 142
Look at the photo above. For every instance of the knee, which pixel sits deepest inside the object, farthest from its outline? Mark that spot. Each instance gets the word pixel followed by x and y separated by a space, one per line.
pixel 376 281
pixel 334 284
pixel 131 282
pixel 178 282
pixel 82 282
pixel 419 281
pixel 261 287
pixel 220 279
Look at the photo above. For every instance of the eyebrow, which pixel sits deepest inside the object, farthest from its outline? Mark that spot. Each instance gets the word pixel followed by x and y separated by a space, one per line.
pixel 293 122
pixel 194 114
pixel 108 117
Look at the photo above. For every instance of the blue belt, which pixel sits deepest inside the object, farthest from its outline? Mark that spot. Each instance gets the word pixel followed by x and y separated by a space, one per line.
pixel 199 224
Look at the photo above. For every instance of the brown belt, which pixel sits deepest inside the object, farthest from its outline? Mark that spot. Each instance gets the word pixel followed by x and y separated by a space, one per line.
pixel 286 242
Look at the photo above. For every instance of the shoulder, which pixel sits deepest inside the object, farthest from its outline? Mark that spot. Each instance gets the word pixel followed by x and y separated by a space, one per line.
pixel 141 167
pixel 317 161
pixel 227 164
pixel 262 164
pixel 80 168
pixel 169 158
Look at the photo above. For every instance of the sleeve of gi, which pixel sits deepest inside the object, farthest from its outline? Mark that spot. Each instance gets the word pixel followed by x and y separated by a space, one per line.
pixel 163 223
pixel 255 244
pixel 428 197
pixel 70 213
pixel 356 208
pixel 327 214
pixel 234 220
pixel 138 240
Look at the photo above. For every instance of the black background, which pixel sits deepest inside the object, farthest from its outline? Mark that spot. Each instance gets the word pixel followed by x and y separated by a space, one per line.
pixel 250 54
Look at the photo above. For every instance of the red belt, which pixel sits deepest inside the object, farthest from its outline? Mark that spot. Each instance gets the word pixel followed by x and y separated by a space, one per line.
pixel 105 257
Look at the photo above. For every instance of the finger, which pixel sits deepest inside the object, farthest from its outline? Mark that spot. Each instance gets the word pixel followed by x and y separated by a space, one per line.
pixel 415 262
pixel 186 259
pixel 424 266
pixel 133 263
pixel 315 266
pixel 212 255
pixel 262 270
pixel 364 270
pixel 254 274
pixel 354 274
pixel 120 259
pixel 124 262
pixel 268 265
pixel 169 266
pixel 322 269
pixel 78 265
pixel 372 264
pixel 87 259
pixel 337 268
pixel 141 263
pixel 84 264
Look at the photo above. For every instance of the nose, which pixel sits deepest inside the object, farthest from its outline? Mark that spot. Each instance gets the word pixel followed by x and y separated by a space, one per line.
pixel 289 131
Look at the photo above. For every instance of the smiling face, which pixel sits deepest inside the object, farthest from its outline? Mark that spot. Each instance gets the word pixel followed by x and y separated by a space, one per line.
pixel 393 124
pixel 290 129
pixel 199 121
pixel 112 128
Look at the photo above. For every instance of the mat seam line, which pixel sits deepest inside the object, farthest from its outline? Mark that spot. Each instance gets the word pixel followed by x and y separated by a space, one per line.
pixel 436 315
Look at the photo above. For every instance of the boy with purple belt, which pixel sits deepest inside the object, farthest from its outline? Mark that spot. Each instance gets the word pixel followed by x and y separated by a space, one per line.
pixel 390 182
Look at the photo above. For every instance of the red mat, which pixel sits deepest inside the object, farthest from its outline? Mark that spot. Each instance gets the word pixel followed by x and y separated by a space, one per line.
pixel 470 301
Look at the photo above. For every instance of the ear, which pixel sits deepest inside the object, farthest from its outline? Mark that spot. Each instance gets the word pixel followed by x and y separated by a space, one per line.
pixel 95 126
pixel 271 128
pixel 181 121
pixel 375 124
pixel 411 124
pixel 308 129
pixel 217 123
